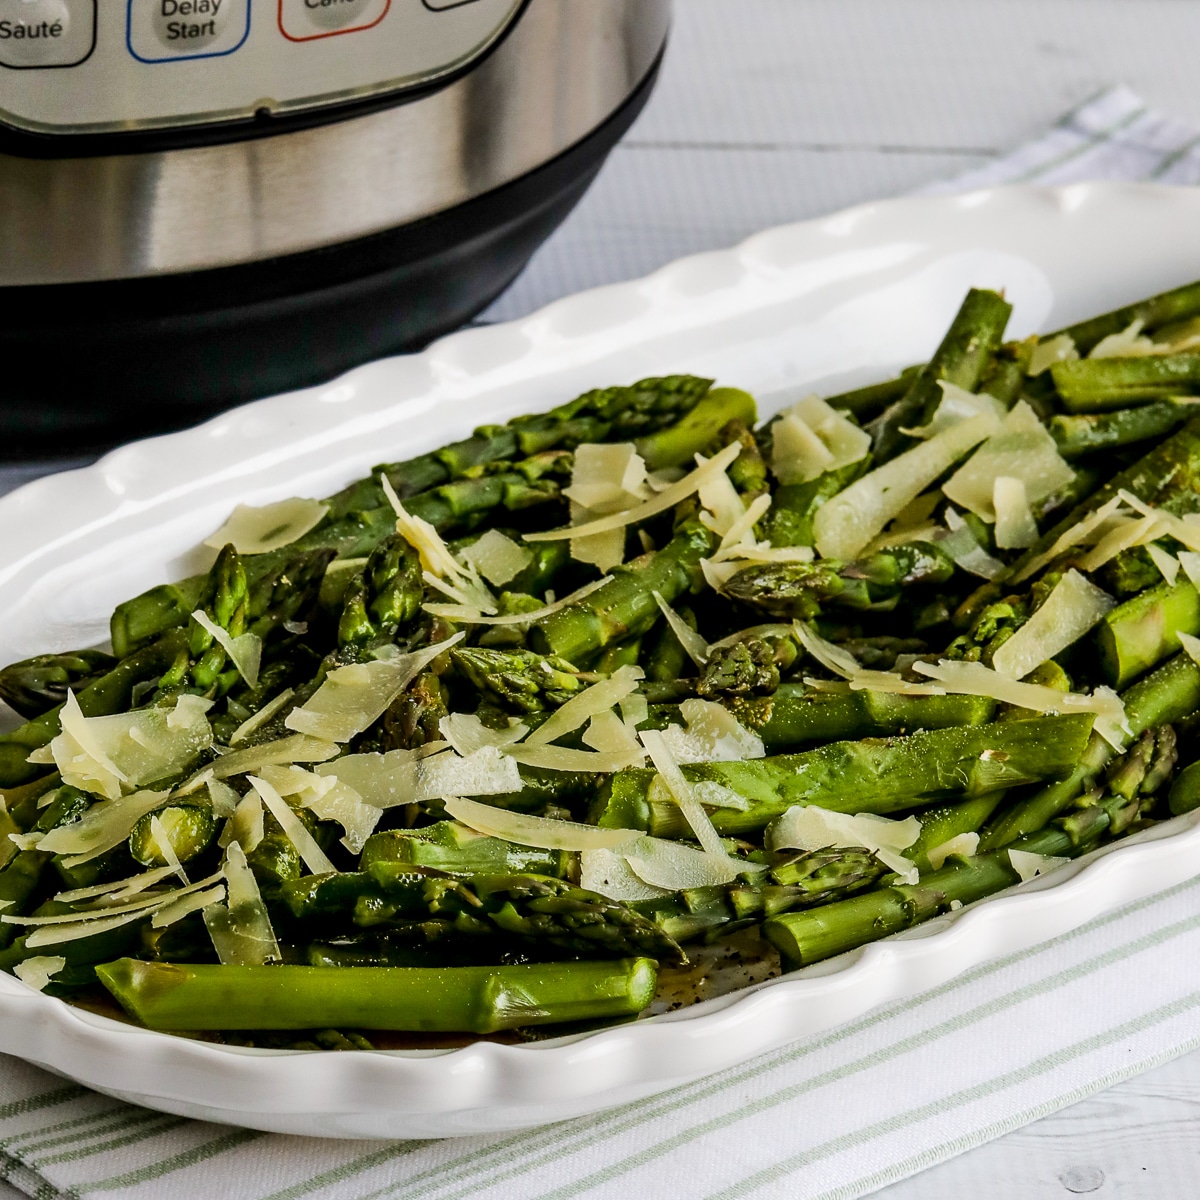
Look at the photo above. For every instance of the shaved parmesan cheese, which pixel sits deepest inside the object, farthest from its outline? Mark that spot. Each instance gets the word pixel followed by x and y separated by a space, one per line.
pixel 109 755
pixel 807 827
pixel 1182 529
pixel 497 558
pixel 957 405
pixel 1071 610
pixel 965 844
pixel 240 928
pixel 681 792
pixel 611 735
pixel 298 748
pixel 716 574
pixel 1129 343
pixel 562 758
pixel 607 477
pixel 328 799
pixel 466 615
pixel 717 795
pixel 1053 350
pixel 1016 528
pixel 892 683
pixel 466 733
pixel 259 530
pixel 811 438
pixel 541 832
pixel 674 866
pixel 848 521
pixel 223 798
pixel 169 914
pixel 737 538
pixel 831 657
pixel 435 555
pixel 974 679
pixel 102 827
pixel 1189 560
pixel 260 718
pixel 580 709
pixel 713 734
pixel 1021 448
pixel 695 647
pixel 723 507
pixel 748 552
pixel 116 891
pixel 1167 564
pixel 607 873
pixel 1077 535
pixel 353 698
pixel 967 553
pixel 1125 535
pixel 314 858
pixel 246 825
pixel 407 776
pixel 1029 866
pixel 1191 645
pixel 755 631
pixel 665 499
pixel 36 972
pixel 244 651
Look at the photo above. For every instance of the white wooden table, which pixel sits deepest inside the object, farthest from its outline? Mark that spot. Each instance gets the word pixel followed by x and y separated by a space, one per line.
pixel 776 110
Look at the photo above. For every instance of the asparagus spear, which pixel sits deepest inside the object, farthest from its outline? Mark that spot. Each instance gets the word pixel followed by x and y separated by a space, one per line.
pixel 625 605
pixel 790 521
pixel 1138 634
pixel 675 445
pixel 1154 312
pixel 962 359
pixel 1102 384
pixel 1080 434
pixel 452 848
pixel 867 776
pixel 387 595
pixel 468 999
pixel 40 683
pixel 518 680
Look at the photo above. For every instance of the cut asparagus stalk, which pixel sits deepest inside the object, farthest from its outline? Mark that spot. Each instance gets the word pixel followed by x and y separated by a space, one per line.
pixel 1139 634
pixel 1102 384
pixel 1080 434
pixel 427 999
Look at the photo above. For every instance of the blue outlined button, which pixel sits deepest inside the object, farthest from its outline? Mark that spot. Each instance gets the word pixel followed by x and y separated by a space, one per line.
pixel 38 34
pixel 178 30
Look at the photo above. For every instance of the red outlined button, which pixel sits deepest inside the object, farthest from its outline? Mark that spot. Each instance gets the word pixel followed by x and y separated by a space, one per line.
pixel 307 20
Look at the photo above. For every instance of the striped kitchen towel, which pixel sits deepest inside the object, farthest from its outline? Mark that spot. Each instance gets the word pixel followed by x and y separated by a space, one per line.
pixel 835 1116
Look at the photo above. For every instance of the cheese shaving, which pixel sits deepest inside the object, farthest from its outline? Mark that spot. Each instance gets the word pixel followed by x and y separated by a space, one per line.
pixel 466 733
pixel 497 558
pixel 665 499
pixel 737 539
pixel 245 826
pixel 1167 563
pixel 1189 560
pixel 809 827
pixel 847 522
pixel 722 506
pixel 466 615
pixel 223 798
pixel 314 858
pixel 1125 535
pixel 241 928
pixel 965 845
pixel 811 438
pixel 297 748
pixel 713 734
pixel 580 709
pixel 955 406
pixel 353 698
pixel 1191 646
pixel 1180 528
pixel 1049 351
pixel 165 847
pixel 117 890
pixel 967 553
pixel 37 971
pixel 1021 448
pixel 407 776
pixel 96 916
pixel 328 799
pixel 974 679
pixel 1071 610
pixel 832 658
pixel 119 753
pixel 1129 343
pixel 244 651
pixel 563 758
pixel 1016 528
pixel 612 735
pixel 1076 535
pixel 270 527
pixel 169 914
pixel 260 718
pixel 693 644
pixel 673 866
pixel 682 794
pixel 541 832
pixel 1028 866
pixel 608 873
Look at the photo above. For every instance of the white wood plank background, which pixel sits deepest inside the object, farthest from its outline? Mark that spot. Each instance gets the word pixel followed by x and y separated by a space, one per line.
pixel 776 110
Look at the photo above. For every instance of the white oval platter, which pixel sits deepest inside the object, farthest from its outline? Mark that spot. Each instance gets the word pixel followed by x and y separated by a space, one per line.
pixel 819 306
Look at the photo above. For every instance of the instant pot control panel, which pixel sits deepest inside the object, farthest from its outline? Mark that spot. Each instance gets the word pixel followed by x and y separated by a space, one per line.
pixel 97 66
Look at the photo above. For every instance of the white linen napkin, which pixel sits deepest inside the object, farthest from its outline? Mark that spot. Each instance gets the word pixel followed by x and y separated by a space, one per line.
pixel 829 1118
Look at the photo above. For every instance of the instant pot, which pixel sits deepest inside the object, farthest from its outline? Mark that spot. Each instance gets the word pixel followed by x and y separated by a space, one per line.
pixel 203 201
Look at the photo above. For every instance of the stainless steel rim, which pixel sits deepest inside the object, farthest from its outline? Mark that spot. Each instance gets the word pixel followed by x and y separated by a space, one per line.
pixel 565 67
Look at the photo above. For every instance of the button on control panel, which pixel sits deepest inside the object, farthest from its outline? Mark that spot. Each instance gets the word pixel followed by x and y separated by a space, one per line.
pixel 170 30
pixel 304 20
pixel 46 33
